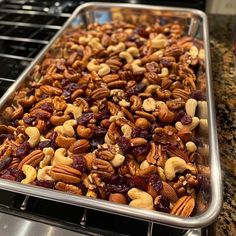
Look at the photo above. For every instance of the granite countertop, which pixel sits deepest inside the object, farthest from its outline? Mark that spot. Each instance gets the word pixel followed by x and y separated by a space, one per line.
pixel 224 82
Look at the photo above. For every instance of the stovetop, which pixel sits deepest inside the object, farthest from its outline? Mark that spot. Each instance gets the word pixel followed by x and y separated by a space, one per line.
pixel 26 26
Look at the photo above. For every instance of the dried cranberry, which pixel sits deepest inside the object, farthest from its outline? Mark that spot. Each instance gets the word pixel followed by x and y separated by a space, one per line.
pixel 79 163
pixel 17 173
pixel 139 42
pixel 85 118
pixel 4 163
pixel 155 181
pixel 120 188
pixel 136 89
pixel 8 177
pixel 138 182
pixel 82 187
pixel 47 106
pixel 165 62
pixel 44 144
pixel 141 30
pixel 123 143
pixel 163 204
pixel 71 87
pixel 198 95
pixel 5 136
pixel 45 183
pixel 140 150
pixel 179 115
pixel 95 142
pixel 99 131
pixel 186 120
pixel 138 132
pixel 29 120
pixel 53 140
pixel 23 150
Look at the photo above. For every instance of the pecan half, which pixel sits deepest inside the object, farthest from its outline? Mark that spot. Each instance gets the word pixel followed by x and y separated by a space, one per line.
pixel 68 188
pixel 80 146
pixel 32 159
pixel 103 168
pixel 100 93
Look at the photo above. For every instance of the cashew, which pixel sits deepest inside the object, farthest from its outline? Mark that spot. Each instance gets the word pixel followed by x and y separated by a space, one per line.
pixel 116 117
pixel 191 126
pixel 149 104
pixel 61 158
pixel 124 103
pixel 140 198
pixel 191 146
pixel 161 173
pixel 174 165
pixel 136 66
pixel 34 136
pixel 127 56
pixel 133 51
pixel 92 66
pixel 91 193
pixel 30 174
pixel 164 72
pixel 144 165
pixel 126 130
pixel 43 174
pixel 104 69
pixel 67 128
pixel 75 110
pixel 159 42
pixel 202 110
pixel 42 139
pixel 159 53
pixel 48 155
pixel 193 52
pixel 190 107
pixel 84 40
pixel 151 88
pixel 108 140
pixel 203 126
pixel 95 44
pixel 118 47
pixel 118 160
pixel 201 54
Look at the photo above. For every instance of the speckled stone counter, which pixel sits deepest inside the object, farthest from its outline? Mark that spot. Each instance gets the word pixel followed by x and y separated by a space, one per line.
pixel 224 81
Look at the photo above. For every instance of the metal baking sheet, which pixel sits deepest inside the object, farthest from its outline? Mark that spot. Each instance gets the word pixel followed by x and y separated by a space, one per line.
pixel 196 26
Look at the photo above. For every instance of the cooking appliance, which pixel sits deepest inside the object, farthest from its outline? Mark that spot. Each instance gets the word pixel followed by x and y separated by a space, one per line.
pixel 83 213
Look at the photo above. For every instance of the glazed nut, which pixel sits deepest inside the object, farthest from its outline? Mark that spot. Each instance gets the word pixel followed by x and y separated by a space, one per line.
pixel 191 146
pixel 145 164
pixel 73 109
pixel 84 132
pixel 164 72
pixel 95 44
pixel 151 88
pixel 193 52
pixel 93 66
pixel 136 103
pixel 191 126
pixel 190 107
pixel 137 141
pixel 43 174
pixel 30 174
pixel 136 67
pixel 48 155
pixel 118 160
pixel 202 110
pixel 61 158
pixel 104 69
pixel 142 123
pixel 117 198
pixel 127 56
pixel 126 130
pixel 34 136
pixel 119 47
pixel 174 165
pixel 140 198
pixel 159 42
pixel 124 103
pixel 67 128
pixel 149 104
pixel 133 51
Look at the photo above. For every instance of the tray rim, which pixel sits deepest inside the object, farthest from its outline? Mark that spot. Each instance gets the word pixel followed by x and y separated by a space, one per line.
pixel 142 214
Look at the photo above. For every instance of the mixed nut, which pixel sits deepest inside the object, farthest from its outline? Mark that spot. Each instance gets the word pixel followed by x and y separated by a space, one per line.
pixel 114 111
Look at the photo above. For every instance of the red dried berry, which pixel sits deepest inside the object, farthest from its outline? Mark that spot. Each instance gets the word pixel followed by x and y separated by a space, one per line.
pixel 79 163
pixel 45 183
pixel 186 120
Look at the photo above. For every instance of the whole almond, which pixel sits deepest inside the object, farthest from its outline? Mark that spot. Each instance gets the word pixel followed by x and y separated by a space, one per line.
pixel 118 198
pixel 168 192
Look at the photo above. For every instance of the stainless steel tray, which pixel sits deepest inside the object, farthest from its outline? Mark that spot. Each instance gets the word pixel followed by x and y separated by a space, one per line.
pixel 196 26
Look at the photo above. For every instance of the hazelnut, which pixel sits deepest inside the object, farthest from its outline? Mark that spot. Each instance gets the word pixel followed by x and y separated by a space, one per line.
pixel 118 198
pixel 142 123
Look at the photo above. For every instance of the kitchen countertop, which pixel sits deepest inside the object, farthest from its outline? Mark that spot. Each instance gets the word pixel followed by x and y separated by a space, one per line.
pixel 224 82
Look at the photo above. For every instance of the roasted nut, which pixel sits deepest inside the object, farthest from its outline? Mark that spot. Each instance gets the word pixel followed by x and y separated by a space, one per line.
pixel 64 142
pixel 174 165
pixel 34 136
pixel 185 134
pixel 103 168
pixel 202 109
pixel 190 107
pixel 191 126
pixel 75 110
pixel 140 198
pixel 126 130
pixel 30 174
pixel 65 174
pixel 68 188
pixel 61 158
pixel 136 103
pixel 191 147
pixel 142 123
pixel 168 192
pixel 80 146
pixel 127 56
pixel 43 174
pixel 117 198
pixel 100 93
pixel 184 206
pixel 104 69
pixel 137 141
pixel 149 104
pixel 159 42
pixel 118 160
pixel 84 132
pixel 89 158
pixel 48 155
